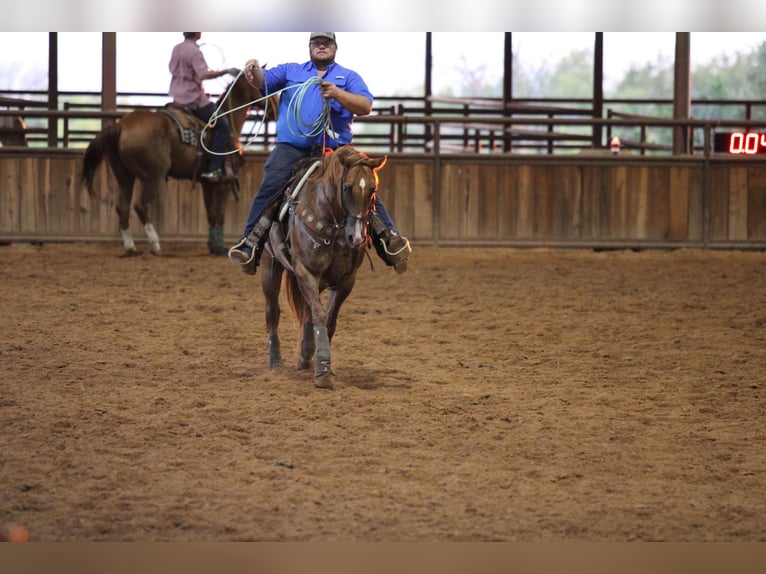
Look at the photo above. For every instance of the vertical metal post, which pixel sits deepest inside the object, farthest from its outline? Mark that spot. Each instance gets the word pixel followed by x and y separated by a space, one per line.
pixel 53 87
pixel 682 102
pixel 428 87
pixel 507 88
pixel 598 88
pixel 108 76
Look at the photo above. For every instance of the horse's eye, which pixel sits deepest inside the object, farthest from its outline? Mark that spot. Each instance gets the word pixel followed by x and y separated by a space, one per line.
pixel 347 192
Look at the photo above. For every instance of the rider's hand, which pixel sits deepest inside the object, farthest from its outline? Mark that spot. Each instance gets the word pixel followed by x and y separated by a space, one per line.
pixel 253 73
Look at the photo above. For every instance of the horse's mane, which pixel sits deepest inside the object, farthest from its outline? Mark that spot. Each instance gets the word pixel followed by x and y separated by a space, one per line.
pixel 242 91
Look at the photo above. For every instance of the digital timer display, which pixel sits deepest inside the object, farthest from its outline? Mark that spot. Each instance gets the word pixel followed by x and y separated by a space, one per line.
pixel 740 143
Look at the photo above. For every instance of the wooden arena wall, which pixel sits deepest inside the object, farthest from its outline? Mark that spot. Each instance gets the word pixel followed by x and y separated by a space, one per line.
pixel 444 200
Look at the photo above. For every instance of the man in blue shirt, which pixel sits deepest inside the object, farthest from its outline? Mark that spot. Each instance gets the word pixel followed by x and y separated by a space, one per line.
pixel 301 133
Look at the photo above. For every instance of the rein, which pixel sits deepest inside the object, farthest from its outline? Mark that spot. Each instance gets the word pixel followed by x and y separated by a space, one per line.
pixel 226 107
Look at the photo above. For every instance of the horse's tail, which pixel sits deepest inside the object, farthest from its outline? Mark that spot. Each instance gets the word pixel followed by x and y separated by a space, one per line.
pixel 102 147
pixel 295 298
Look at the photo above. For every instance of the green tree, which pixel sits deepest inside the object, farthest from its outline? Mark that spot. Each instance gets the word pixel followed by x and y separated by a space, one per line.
pixel 572 77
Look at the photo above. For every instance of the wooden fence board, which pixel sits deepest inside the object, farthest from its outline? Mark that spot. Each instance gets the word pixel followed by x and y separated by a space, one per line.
pixel 718 204
pixel 592 201
pixel 506 202
pixel 483 200
pixel 525 197
pixel 654 221
pixel 422 226
pixel 544 200
pixel 397 194
pixel 695 184
pixel 738 203
pixel 678 207
pixel 470 196
pixel 488 193
pixel 756 202
pixel 567 214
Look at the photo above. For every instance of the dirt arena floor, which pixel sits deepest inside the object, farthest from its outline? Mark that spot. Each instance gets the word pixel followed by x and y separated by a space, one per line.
pixel 485 395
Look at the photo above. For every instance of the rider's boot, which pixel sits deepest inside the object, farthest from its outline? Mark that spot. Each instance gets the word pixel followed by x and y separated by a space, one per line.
pixel 246 253
pixel 392 247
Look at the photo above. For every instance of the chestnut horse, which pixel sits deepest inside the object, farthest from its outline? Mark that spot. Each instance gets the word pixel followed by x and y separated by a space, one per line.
pixel 319 246
pixel 152 145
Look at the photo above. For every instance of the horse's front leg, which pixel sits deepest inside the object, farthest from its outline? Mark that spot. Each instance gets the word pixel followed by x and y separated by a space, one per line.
pixel 323 373
pixel 215 196
pixel 271 282
pixel 308 346
pixel 336 299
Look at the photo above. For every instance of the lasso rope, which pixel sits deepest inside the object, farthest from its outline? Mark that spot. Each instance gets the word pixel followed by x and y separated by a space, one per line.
pixel 218 114
pixel 295 122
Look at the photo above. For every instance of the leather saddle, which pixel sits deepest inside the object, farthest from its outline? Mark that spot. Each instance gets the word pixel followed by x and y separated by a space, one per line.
pixel 188 125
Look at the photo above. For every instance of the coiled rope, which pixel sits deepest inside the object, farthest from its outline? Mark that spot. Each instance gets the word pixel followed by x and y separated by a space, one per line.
pixel 295 122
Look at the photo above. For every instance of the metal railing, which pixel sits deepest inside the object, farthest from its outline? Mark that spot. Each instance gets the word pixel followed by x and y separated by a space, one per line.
pixel 418 125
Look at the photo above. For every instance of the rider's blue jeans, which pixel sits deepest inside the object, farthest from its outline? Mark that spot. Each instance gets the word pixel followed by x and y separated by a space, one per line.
pixel 221 135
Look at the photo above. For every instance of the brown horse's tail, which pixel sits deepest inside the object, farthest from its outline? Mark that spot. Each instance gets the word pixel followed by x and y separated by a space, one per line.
pixel 104 146
pixel 295 298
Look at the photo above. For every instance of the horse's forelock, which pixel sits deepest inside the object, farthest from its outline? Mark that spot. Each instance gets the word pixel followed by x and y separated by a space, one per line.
pixel 346 157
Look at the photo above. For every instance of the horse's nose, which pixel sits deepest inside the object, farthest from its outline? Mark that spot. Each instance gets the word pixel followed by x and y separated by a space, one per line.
pixel 356 234
pixel 355 239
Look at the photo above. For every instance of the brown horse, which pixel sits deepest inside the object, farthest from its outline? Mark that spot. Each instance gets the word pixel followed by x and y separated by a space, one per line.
pixel 150 146
pixel 320 244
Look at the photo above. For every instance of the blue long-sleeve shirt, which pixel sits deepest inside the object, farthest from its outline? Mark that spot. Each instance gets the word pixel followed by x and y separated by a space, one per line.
pixel 295 121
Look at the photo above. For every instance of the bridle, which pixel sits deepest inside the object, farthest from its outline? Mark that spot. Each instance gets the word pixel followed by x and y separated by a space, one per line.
pixel 347 189
pixel 326 231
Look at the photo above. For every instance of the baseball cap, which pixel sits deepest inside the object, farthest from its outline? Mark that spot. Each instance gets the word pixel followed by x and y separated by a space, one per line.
pixel 330 35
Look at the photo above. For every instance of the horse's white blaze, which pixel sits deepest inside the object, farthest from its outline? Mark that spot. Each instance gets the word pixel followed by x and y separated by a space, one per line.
pixel 127 240
pixel 359 232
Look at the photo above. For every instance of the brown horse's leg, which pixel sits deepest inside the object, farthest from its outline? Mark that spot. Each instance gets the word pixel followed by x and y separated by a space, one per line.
pixel 150 188
pixel 323 372
pixel 216 196
pixel 323 364
pixel 125 181
pixel 335 301
pixel 308 346
pixel 271 283
pixel 309 285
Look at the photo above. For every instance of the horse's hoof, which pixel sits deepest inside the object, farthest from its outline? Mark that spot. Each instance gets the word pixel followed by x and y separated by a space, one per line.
pixel 324 381
pixel 303 364
pixel 218 250
pixel 130 253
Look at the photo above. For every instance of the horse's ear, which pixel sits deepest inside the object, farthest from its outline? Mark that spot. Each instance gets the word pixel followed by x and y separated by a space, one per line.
pixel 378 163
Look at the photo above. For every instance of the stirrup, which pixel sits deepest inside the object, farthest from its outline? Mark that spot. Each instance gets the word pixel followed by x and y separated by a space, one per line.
pixel 240 256
pixel 397 249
